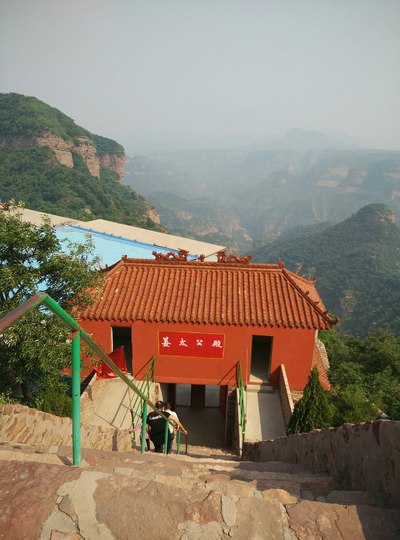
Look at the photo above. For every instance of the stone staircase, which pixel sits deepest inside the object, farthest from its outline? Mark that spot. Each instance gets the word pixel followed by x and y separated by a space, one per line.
pixel 128 495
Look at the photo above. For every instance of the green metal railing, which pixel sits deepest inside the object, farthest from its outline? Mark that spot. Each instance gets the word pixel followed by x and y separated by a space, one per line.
pixel 136 408
pixel 80 334
pixel 242 405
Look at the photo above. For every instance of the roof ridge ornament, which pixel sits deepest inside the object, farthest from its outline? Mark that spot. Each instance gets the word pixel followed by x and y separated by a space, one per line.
pixel 171 256
pixel 223 257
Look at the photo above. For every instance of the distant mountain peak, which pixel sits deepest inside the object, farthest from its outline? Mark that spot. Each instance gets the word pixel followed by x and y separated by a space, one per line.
pixel 375 213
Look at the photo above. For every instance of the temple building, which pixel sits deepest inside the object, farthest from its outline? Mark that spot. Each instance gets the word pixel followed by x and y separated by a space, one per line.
pixel 200 318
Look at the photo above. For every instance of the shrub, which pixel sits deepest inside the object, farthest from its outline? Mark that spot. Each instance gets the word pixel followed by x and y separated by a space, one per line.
pixel 313 410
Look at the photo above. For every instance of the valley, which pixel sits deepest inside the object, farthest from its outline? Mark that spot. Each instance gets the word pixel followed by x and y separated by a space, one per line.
pixel 250 195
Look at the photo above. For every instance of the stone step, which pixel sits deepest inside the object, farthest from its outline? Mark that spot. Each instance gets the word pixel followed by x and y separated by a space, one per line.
pixel 113 495
pixel 263 388
pixel 293 478
pixel 209 494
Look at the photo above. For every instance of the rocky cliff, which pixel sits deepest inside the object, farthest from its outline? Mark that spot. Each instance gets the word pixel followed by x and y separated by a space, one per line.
pixel 63 150
pixel 115 162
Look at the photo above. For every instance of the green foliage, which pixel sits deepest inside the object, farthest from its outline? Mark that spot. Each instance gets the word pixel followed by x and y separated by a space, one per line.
pixel 34 176
pixel 357 263
pixel 25 117
pixel 5 398
pixel 313 410
pixel 107 146
pixel 54 399
pixel 352 405
pixel 365 375
pixel 32 259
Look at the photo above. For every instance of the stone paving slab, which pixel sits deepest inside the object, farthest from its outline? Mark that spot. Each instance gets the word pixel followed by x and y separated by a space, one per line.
pixel 28 494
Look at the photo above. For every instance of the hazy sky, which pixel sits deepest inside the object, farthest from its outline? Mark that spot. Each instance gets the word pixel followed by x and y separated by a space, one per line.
pixel 156 74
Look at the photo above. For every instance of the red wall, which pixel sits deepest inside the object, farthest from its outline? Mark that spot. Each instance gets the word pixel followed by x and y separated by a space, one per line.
pixel 292 347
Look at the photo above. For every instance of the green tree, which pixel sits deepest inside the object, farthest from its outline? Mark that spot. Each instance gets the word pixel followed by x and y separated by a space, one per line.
pixel 365 375
pixel 313 410
pixel 32 259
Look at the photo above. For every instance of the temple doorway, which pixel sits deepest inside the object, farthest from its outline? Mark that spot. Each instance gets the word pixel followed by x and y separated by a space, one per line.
pixel 201 409
pixel 261 350
pixel 122 337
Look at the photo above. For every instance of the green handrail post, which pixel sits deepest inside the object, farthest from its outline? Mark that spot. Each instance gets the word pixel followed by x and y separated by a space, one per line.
pixel 58 310
pixel 144 387
pixel 76 399
pixel 144 424
pixel 178 442
pixel 81 334
pixel 152 368
pixel 242 419
pixel 166 437
pixel 186 449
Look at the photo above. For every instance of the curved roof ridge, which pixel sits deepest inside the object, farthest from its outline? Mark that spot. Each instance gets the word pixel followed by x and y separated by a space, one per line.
pixel 196 263
pixel 291 276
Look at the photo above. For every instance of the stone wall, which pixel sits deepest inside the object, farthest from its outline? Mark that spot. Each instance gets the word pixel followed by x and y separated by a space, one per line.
pixel 357 456
pixel 92 394
pixel 285 396
pixel 19 424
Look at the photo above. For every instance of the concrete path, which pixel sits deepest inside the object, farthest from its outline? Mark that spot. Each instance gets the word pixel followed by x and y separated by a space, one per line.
pixel 264 414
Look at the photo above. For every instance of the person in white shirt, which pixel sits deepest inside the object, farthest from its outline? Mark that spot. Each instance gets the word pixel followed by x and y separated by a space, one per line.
pixel 172 428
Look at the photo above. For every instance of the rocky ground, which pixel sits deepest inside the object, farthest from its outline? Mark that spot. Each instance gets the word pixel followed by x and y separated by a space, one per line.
pixel 128 496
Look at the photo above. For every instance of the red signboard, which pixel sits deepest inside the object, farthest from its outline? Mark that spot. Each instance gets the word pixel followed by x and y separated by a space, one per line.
pixel 191 344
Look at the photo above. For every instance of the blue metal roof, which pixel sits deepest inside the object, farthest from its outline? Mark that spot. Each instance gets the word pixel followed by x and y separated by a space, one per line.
pixel 111 248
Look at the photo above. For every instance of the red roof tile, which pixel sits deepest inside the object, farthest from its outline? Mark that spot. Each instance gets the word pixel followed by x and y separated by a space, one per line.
pixel 209 293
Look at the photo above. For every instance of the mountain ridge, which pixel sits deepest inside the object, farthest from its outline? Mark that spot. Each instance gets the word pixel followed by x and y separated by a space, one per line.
pixel 357 265
pixel 53 165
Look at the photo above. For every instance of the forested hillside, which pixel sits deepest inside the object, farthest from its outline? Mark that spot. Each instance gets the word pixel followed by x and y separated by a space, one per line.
pixel 56 166
pixel 357 265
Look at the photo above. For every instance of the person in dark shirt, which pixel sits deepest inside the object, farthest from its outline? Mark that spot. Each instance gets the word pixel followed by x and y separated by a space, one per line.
pixel 156 423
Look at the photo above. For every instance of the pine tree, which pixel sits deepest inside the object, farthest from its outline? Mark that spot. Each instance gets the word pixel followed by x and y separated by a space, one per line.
pixel 313 410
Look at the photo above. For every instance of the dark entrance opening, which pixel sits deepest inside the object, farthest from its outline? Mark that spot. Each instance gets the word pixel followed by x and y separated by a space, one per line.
pixel 261 349
pixel 122 337
pixel 198 407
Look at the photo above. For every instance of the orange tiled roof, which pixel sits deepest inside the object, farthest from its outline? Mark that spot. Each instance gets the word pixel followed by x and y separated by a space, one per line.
pixel 198 292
